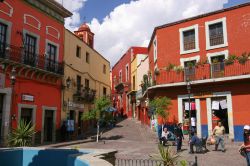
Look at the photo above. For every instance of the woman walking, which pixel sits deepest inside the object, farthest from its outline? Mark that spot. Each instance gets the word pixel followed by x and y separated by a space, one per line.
pixel 245 148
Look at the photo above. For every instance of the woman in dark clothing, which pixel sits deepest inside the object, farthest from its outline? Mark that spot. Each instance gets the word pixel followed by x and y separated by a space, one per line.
pixel 245 148
pixel 179 136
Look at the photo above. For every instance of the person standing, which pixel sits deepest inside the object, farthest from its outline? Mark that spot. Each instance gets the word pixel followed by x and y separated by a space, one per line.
pixel 245 147
pixel 219 132
pixel 179 136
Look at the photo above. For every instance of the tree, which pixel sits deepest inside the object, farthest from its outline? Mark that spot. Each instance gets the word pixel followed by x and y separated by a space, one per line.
pixel 100 107
pixel 22 135
pixel 161 106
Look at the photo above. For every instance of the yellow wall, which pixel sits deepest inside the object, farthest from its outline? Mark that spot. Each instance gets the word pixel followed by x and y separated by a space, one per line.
pixel 93 71
pixel 134 73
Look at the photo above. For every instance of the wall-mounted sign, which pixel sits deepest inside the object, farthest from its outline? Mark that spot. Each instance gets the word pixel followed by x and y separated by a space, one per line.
pixel 26 97
pixel 203 95
pixel 75 105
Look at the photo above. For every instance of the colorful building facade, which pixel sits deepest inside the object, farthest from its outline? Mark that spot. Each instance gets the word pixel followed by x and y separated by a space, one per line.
pixel 31 55
pixel 122 93
pixel 211 53
pixel 86 76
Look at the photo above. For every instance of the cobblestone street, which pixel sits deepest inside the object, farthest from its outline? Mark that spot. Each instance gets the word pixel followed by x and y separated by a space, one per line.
pixel 134 141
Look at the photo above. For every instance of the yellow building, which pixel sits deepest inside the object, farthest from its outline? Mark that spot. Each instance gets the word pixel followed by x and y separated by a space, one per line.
pixel 86 75
pixel 135 83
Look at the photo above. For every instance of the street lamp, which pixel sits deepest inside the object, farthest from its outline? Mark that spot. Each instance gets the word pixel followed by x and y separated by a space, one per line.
pixel 13 76
pixel 189 106
pixel 68 82
pixel 12 82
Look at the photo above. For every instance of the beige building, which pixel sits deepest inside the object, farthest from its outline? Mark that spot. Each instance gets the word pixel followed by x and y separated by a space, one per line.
pixel 86 75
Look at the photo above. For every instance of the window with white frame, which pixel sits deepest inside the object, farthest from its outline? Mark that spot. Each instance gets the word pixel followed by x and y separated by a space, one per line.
pixel 216 33
pixel 185 62
pixel 217 57
pixel 127 73
pixel 155 48
pixel 189 40
pixel 120 76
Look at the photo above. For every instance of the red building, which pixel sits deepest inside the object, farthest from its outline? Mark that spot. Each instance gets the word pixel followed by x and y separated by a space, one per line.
pixel 31 54
pixel 121 81
pixel 211 53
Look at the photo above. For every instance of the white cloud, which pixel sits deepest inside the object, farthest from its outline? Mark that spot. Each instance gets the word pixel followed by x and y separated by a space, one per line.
pixel 132 24
pixel 74 6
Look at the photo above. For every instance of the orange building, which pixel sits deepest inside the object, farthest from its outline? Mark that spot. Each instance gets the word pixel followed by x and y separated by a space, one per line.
pixel 31 54
pixel 211 53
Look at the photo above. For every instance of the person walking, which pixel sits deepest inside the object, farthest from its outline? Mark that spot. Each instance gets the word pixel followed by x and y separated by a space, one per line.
pixel 245 147
pixel 179 136
pixel 219 132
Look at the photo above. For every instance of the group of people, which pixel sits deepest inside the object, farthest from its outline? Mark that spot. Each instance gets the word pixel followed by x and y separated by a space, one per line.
pixel 218 135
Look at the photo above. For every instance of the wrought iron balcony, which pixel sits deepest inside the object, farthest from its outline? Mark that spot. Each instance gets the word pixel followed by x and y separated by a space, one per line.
pixel 203 72
pixel 84 95
pixel 11 53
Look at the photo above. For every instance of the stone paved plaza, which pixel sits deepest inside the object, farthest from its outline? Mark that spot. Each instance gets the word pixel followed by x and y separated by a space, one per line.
pixel 135 141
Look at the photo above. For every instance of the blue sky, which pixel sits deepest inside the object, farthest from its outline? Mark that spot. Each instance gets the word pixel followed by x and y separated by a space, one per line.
pixel 101 8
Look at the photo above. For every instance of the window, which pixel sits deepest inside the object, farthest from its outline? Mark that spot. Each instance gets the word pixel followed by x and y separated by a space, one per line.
pixel 78 51
pixel 104 69
pixel 87 57
pixel 51 56
pixel 78 82
pixel 127 73
pixel 217 63
pixel 133 82
pixel 216 33
pixel 189 66
pixel 30 50
pixel 185 61
pixel 3 38
pixel 86 83
pixel 120 76
pixel 155 49
pixel 189 41
pixel 104 91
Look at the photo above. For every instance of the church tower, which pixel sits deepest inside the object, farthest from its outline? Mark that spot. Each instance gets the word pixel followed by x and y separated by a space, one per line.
pixel 85 34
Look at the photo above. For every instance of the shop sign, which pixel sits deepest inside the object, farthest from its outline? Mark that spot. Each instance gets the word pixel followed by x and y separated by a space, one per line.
pixel 26 97
pixel 75 105
pixel 203 95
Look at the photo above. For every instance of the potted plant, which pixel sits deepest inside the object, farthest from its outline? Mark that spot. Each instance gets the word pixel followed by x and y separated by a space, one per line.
pixel 230 60
pixel 178 69
pixel 243 58
pixel 157 71
pixel 170 67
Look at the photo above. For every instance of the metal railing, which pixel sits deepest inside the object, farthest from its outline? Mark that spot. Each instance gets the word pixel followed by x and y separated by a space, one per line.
pixel 203 72
pixel 149 162
pixel 19 55
pixel 216 39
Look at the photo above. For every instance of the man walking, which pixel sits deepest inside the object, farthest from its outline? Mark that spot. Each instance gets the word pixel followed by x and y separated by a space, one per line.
pixel 179 136
pixel 219 132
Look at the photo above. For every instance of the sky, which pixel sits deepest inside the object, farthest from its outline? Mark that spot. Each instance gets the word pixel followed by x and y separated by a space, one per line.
pixel 120 24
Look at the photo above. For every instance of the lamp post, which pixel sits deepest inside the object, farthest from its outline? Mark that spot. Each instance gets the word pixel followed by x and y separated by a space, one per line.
pixel 189 106
pixel 12 82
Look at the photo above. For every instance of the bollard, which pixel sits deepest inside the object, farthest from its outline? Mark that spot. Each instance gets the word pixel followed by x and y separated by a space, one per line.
pixel 196 161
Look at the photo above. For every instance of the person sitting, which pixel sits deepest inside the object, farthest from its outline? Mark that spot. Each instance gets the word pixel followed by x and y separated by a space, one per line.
pixel 164 136
pixel 195 141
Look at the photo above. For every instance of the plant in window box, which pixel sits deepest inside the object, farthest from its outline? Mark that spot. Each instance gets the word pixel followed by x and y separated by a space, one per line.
pixel 201 63
pixel 178 69
pixel 243 58
pixel 170 67
pixel 215 61
pixel 190 65
pixel 230 60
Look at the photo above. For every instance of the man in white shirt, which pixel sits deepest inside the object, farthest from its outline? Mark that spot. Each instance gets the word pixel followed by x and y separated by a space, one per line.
pixel 219 132
pixel 164 136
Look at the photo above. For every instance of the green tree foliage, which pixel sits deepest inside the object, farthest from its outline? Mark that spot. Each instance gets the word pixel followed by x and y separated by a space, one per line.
pixel 98 112
pixel 161 106
pixel 22 135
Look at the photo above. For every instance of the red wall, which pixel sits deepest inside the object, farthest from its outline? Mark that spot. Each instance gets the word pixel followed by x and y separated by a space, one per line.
pixel 121 65
pixel 168 40
pixel 45 94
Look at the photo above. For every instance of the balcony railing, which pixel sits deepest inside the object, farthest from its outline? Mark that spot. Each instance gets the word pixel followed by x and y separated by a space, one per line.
pixel 19 55
pixel 189 45
pixel 203 72
pixel 84 95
